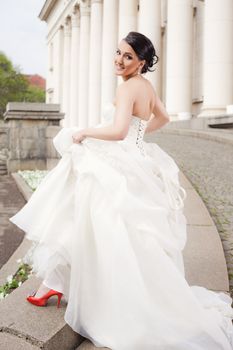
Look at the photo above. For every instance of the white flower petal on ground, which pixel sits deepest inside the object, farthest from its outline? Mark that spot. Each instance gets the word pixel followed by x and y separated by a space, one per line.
pixel 9 278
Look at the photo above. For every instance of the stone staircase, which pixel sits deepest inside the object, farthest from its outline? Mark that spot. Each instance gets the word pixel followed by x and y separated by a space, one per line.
pixel 3 149
pixel 3 167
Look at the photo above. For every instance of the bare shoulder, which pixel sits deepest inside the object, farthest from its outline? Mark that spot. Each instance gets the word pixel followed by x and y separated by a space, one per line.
pixel 135 84
pixel 136 89
pixel 125 89
pixel 140 83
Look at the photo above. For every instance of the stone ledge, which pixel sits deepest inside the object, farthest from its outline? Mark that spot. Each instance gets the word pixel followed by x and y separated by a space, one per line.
pixel 203 122
pixel 11 266
pixel 33 106
pixel 220 136
pixel 204 258
pixel 22 186
pixel 33 115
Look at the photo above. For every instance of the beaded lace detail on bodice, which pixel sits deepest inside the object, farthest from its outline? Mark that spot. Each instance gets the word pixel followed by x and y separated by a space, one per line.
pixel 136 129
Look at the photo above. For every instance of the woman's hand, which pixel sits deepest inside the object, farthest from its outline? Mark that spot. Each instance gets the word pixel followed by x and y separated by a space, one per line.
pixel 78 136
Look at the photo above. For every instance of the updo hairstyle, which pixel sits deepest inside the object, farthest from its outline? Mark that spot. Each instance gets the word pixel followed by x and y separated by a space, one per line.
pixel 144 49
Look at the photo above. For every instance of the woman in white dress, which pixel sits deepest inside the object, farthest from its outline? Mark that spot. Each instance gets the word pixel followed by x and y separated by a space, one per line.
pixel 108 228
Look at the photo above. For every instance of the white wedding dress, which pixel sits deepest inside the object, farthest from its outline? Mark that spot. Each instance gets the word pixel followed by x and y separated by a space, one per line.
pixel 108 229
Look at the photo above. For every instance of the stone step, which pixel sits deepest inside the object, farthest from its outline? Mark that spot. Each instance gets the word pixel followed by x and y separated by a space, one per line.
pixel 87 345
pixel 35 327
pixel 3 167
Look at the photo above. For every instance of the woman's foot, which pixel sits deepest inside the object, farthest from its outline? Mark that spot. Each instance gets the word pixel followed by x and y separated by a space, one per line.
pixel 43 296
pixel 42 290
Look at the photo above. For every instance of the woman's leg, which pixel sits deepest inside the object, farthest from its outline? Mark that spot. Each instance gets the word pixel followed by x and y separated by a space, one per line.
pixel 58 280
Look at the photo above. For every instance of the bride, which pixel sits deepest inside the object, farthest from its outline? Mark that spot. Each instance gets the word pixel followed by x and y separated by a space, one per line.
pixel 108 228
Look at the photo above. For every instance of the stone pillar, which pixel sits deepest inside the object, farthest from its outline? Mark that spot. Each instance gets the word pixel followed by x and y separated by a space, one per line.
pixel 109 46
pixel 58 65
pixel 128 11
pixel 218 57
pixel 84 63
pixel 149 24
pixel 74 76
pixel 179 58
pixel 66 72
pixel 95 63
pixel 50 73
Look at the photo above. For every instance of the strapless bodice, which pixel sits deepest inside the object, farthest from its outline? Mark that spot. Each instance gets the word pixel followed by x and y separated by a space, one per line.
pixel 136 130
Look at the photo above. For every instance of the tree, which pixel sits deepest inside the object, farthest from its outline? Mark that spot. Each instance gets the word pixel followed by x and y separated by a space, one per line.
pixel 14 87
pixel 34 94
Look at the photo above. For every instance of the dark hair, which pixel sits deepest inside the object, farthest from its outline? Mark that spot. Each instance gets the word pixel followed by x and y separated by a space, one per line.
pixel 143 48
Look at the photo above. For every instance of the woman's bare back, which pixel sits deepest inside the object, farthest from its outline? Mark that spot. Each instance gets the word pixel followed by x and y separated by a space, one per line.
pixel 144 97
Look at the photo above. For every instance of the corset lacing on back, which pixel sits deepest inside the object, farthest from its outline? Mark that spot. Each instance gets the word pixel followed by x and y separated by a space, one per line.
pixel 136 128
pixel 136 132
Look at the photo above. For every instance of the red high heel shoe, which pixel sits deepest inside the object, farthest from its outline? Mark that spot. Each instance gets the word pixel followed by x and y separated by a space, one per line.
pixel 42 301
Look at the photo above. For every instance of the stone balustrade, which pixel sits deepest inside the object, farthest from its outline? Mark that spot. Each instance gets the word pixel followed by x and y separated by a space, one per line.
pixel 28 132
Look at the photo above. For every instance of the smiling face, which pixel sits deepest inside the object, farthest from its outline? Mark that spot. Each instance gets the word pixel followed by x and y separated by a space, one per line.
pixel 127 62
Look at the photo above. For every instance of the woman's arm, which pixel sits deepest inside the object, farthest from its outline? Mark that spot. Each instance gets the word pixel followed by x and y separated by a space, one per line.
pixel 161 116
pixel 104 133
pixel 119 128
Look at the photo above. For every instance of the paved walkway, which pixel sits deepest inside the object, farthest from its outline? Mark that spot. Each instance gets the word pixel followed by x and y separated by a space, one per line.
pixel 208 165
pixel 11 200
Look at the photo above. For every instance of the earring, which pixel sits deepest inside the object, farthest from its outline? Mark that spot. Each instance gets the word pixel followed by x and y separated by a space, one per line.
pixel 139 71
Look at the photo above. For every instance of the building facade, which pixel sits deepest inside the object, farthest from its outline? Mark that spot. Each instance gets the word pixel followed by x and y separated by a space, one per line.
pixel 193 39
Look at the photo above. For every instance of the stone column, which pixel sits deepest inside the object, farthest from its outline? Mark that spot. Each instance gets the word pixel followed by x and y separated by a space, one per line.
pixel 84 63
pixel 50 74
pixel 95 63
pixel 149 24
pixel 109 46
pixel 218 57
pixel 128 11
pixel 74 76
pixel 179 58
pixel 58 61
pixel 66 71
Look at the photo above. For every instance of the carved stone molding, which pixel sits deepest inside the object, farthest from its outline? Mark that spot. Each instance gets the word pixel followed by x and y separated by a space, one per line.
pixel 67 26
pixel 75 17
pixel 96 1
pixel 85 8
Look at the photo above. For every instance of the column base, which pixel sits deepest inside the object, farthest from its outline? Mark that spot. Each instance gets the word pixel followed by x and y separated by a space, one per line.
pixel 180 116
pixel 212 111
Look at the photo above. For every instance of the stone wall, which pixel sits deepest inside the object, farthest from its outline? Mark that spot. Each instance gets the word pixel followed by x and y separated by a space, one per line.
pixel 29 129
pixel 52 155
